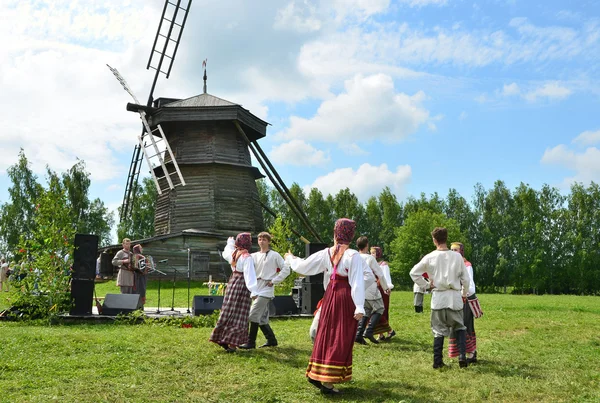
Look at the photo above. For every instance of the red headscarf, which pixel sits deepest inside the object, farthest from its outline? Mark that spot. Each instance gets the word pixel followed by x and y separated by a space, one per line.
pixel 343 233
pixel 243 243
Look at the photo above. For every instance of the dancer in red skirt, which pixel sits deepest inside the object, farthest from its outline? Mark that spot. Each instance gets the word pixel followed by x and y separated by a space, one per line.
pixel 384 321
pixel 342 307
pixel 232 327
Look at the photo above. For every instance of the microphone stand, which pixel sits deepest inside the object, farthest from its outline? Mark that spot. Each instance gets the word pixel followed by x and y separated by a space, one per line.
pixel 173 297
pixel 188 279
pixel 152 270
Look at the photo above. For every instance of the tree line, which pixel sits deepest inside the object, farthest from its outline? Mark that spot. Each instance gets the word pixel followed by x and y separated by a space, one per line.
pixel 27 198
pixel 522 240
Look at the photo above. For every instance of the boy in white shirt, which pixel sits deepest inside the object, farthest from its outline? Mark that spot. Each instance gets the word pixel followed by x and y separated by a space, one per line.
pixel 270 270
pixel 447 273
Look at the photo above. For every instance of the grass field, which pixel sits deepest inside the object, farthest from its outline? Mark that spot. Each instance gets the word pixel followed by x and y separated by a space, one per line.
pixel 531 348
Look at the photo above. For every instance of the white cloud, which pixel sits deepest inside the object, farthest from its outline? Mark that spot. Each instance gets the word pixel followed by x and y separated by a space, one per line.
pixel 423 3
pixel 59 101
pixel 550 91
pixel 298 15
pixel 366 181
pixel 369 109
pixel 300 153
pixel 463 115
pixel 586 164
pixel 587 138
pixel 352 149
pixel 358 8
pixel 511 89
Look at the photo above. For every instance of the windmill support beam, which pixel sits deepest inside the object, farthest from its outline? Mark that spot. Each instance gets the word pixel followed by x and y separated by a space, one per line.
pixel 278 182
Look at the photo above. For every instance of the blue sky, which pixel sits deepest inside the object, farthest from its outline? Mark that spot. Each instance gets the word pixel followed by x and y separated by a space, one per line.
pixel 417 95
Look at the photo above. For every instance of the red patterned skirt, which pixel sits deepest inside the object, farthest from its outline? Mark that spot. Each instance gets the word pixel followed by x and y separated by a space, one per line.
pixel 331 359
pixel 471 339
pixel 383 326
pixel 232 326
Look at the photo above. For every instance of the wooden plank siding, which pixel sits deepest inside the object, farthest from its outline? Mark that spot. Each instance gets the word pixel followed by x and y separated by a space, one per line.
pixel 220 193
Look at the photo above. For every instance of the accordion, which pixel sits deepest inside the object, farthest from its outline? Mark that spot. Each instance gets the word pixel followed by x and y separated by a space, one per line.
pixel 475 307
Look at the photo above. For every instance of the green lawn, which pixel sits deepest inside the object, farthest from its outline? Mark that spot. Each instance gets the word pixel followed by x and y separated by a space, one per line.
pixel 531 348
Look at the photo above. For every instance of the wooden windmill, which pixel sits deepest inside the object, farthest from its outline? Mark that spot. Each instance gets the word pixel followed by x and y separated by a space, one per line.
pixel 198 150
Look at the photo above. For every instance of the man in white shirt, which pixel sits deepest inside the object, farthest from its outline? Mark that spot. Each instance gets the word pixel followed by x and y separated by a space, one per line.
pixel 270 270
pixel 447 273
pixel 374 306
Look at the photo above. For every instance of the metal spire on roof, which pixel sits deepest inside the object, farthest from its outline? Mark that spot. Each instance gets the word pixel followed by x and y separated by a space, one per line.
pixel 204 66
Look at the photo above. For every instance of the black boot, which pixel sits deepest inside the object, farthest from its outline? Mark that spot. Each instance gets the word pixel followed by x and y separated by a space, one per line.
pixel 251 337
pixel 438 352
pixel 421 309
pixel 461 340
pixel 416 309
pixel 359 331
pixel 269 335
pixel 473 359
pixel 372 323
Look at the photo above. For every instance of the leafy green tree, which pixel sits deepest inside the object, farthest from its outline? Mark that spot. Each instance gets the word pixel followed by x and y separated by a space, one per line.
pixel 140 224
pixel 319 212
pixel 413 241
pixel 265 199
pixel 283 241
pixel 42 282
pixel 373 222
pixel 89 216
pixel 391 218
pixel 17 216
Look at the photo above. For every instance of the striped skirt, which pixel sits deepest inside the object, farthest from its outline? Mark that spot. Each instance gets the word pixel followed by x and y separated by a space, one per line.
pixel 232 326
pixel 331 359
pixel 469 321
pixel 383 326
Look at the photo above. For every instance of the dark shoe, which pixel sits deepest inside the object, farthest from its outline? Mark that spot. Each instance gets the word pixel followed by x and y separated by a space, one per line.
pixel 473 359
pixel 438 352
pixel 360 340
pixel 270 336
pixel 252 332
pixel 461 336
pixel 374 320
pixel 381 337
pixel 391 334
pixel 315 383
pixel 329 391
pixel 416 309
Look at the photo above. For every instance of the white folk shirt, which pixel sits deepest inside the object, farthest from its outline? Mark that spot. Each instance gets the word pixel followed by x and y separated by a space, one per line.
pixel 372 292
pixel 447 271
pixel 471 281
pixel 269 266
pixel 386 273
pixel 350 266
pixel 245 264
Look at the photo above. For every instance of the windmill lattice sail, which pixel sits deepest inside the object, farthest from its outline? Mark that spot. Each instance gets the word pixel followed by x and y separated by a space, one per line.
pixel 155 148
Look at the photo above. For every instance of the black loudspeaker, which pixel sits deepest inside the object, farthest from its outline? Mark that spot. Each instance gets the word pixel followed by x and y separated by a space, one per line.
pixel 311 295
pixel 82 295
pixel 84 257
pixel 115 304
pixel 205 305
pixel 283 305
pixel 314 247
pixel 106 267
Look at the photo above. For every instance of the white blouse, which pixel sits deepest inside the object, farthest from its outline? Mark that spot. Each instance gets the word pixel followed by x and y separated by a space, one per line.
pixel 245 264
pixel 386 274
pixel 350 265
pixel 372 292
